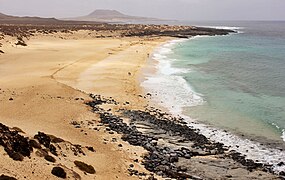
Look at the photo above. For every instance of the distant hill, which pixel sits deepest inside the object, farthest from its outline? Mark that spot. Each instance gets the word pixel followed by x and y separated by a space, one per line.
pixel 32 20
pixel 2 16
pixel 110 16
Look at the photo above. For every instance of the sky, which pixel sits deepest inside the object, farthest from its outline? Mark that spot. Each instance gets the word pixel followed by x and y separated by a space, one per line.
pixel 166 9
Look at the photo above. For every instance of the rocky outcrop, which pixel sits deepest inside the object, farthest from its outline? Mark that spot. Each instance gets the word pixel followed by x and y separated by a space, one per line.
pixel 173 147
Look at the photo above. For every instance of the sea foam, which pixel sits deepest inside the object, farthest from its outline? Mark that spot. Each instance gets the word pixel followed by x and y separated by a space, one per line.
pixel 170 90
pixel 237 29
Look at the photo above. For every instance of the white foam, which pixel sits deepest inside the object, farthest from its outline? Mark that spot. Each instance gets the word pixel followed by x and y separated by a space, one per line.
pixel 167 86
pixel 237 29
pixel 171 90
pixel 283 131
pixel 224 27
pixel 252 150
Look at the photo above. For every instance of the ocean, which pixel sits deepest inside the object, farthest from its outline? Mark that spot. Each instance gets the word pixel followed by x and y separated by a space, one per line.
pixel 230 87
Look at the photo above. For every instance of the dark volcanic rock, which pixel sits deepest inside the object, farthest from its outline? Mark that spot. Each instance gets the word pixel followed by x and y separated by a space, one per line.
pixel 85 167
pixel 50 158
pixel 90 148
pixel 4 177
pixel 59 172
pixel 250 164
pixel 41 152
pixel 21 42
pixel 56 139
pixel 162 158
pixel 16 156
pixel 45 140
pixel 52 149
pixel 16 145
pixel 34 144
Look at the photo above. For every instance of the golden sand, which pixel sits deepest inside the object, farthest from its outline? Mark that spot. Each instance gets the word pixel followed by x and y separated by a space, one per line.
pixel 45 78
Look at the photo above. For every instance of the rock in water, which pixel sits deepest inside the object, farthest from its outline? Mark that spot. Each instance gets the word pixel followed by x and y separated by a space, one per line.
pixel 59 172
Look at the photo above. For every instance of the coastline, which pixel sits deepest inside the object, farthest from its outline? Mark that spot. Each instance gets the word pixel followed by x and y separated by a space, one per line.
pixel 46 101
pixel 255 150
pixel 51 98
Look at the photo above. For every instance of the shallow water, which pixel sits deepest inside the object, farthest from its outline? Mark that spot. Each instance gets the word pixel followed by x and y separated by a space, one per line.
pixel 234 83
pixel 241 77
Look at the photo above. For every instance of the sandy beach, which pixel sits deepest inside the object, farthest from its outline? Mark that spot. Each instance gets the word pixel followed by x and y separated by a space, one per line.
pixel 46 78
pixel 45 87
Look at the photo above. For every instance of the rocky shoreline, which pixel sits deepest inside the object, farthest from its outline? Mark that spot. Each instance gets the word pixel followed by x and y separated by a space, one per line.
pixel 172 145
pixel 174 150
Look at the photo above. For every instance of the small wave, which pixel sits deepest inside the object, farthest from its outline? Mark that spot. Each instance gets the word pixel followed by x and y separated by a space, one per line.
pixel 173 92
pixel 224 27
pixel 252 150
pixel 237 29
pixel 167 84
pixel 283 131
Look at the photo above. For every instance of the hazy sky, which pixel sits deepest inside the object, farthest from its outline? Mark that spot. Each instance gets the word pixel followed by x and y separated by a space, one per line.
pixel 168 9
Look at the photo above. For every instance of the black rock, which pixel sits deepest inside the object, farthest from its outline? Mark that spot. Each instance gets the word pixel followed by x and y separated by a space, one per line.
pixel 59 172
pixel 56 139
pixel 162 160
pixel 4 177
pixel 17 156
pixel 43 139
pixel 50 158
pixel 41 152
pixel 85 167
pixel 90 149
pixel 52 149
pixel 16 145
pixel 34 144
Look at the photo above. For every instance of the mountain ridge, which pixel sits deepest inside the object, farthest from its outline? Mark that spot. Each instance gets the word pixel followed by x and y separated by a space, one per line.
pixel 5 17
pixel 103 12
pixel 106 15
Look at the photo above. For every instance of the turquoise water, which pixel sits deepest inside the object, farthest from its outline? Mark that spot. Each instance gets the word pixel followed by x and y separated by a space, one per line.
pixel 241 78
pixel 230 88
